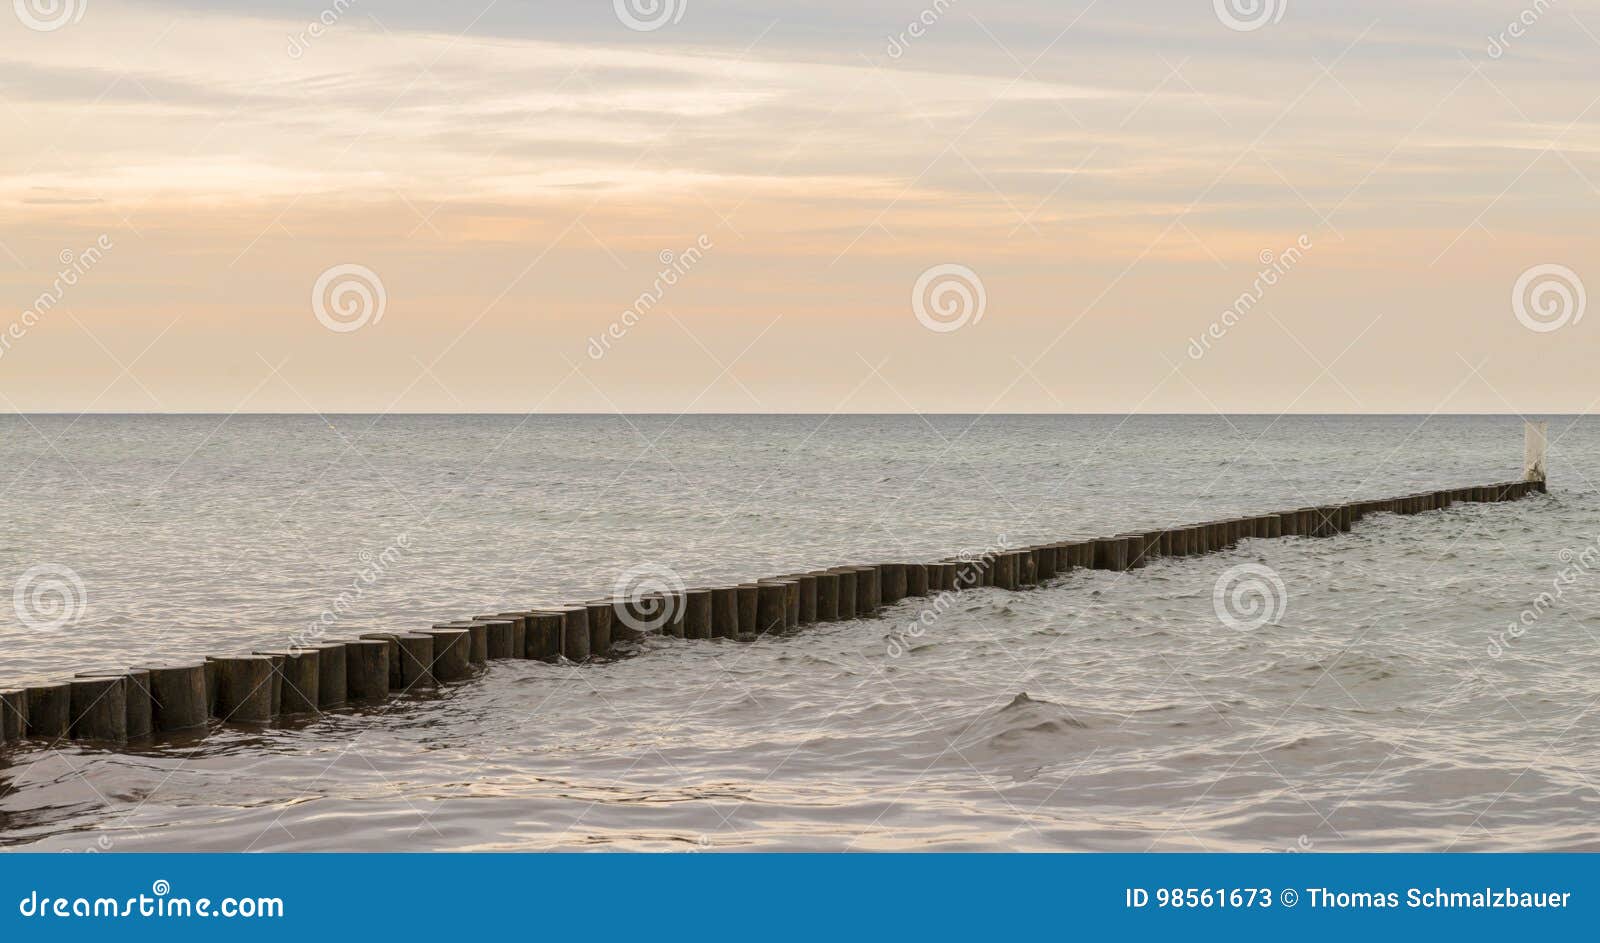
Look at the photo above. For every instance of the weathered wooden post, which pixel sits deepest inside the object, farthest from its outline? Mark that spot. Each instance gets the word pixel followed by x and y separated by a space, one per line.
pixel 478 652
pixel 696 613
pixel 49 710
pixel 893 588
pixel 1027 568
pixel 450 650
pixel 917 579
pixel 600 617
pixel 1005 571
pixel 299 680
pixel 1110 553
pixel 749 605
pixel 544 634
pixel 136 693
pixel 792 610
pixel 772 607
pixel 791 602
pixel 848 605
pixel 670 610
pixel 827 595
pixel 868 590
pixel 100 708
pixel 332 673
pixel 177 697
pixel 808 597
pixel 367 669
pixel 517 644
pixel 500 637
pixel 14 713
pixel 1535 452
pixel 411 659
pixel 725 611
pixel 1135 544
pixel 244 688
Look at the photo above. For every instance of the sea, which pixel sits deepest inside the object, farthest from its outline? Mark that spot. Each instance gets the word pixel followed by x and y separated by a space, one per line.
pixel 1422 683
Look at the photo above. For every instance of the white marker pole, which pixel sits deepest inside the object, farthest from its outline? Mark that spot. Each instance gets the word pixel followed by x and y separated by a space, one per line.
pixel 1535 444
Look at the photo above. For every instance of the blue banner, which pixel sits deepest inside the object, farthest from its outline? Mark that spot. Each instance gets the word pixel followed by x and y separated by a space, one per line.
pixel 707 897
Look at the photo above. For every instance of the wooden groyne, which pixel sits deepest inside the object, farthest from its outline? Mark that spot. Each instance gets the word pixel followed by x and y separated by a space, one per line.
pixel 161 699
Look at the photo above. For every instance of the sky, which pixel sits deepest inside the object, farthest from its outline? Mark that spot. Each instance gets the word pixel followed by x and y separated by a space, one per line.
pixel 707 206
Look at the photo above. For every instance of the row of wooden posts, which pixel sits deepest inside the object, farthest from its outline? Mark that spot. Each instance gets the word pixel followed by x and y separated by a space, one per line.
pixel 137 703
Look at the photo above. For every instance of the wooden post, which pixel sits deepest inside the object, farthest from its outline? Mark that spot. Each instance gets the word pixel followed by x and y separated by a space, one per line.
pixel 100 708
pixel 14 714
pixel 574 633
pixel 416 660
pixel 544 634
pixel 1535 452
pixel 450 650
pixel 49 710
pixel 1111 553
pixel 390 639
pixel 136 693
pixel 177 697
pixel 808 597
pixel 670 611
pixel 696 614
pixel 277 678
pixel 519 633
pixel 500 641
pixel 748 608
pixel 791 608
pixel 601 615
pixel 827 596
pixel 1027 567
pixel 1005 571
pixel 300 680
pixel 367 669
pixel 478 652
pixel 893 587
pixel 244 688
pixel 332 673
pixel 725 612
pixel 868 590
pixel 848 606
pixel 772 606
pixel 917 579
